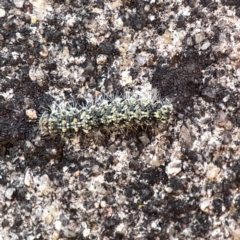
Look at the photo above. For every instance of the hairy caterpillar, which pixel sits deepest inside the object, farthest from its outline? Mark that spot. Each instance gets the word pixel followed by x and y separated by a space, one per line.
pixel 106 115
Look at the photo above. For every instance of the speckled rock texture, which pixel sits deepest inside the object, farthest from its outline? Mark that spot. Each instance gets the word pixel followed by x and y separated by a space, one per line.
pixel 178 183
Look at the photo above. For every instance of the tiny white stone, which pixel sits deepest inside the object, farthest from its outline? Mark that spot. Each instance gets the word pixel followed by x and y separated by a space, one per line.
pixel 69 233
pixel 86 232
pixel 13 237
pixel 15 55
pixel 44 185
pixel 204 205
pixel 96 205
pixel 30 238
pixel 55 236
pixel 103 204
pixel 2 13
pixel 212 171
pixel 101 59
pixel 187 232
pixel 121 228
pixel 52 209
pixel 155 162
pixel 19 36
pixel 168 189
pixel 44 52
pixel 95 169
pixel 205 45
pixel 153 225
pixel 151 17
pixel 146 8
pixel 28 180
pixel 18 3
pixel 58 225
pixel 31 113
pixel 205 137
pixel 38 212
pixel 9 192
pixel 141 60
pixel 216 232
pixel 199 37
pixel 70 22
pixel 174 167
pixel 126 78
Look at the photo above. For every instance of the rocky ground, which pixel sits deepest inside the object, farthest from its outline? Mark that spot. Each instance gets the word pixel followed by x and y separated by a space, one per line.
pixel 178 183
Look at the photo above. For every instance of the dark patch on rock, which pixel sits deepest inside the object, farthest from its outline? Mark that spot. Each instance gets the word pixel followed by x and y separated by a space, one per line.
pixel 237 203
pixel 201 225
pixel 212 6
pixel 111 222
pixel 3 178
pixel 154 176
pixel 181 23
pixel 151 209
pixel 232 3
pixel 135 165
pixel 119 236
pixel 109 176
pixel 17 223
pixel 20 194
pixel 185 80
pixel 178 184
pixel 144 191
pixel 139 19
pixel 214 94
pixel 217 206
pixel 106 48
pixel 5 223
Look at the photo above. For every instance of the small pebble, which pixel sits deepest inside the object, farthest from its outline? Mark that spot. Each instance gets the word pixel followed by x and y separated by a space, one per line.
pixel 126 78
pixel 28 180
pixel 212 171
pixel 43 185
pixel 86 232
pixel 206 45
pixel 204 205
pixel 144 139
pixel 101 59
pixel 58 225
pixel 18 3
pixel 69 233
pixel 55 236
pixel 174 167
pixel 9 193
pixel 30 237
pixel 155 162
pixel 141 60
pixel 103 204
pixel 47 218
pixel 199 37
pixel 44 52
pixel 2 13
pixel 223 121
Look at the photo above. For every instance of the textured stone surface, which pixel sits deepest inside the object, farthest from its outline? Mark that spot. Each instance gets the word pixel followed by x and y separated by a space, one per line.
pixel 178 183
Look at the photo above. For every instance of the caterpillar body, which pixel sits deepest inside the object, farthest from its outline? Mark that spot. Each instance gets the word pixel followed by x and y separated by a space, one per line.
pixel 109 115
